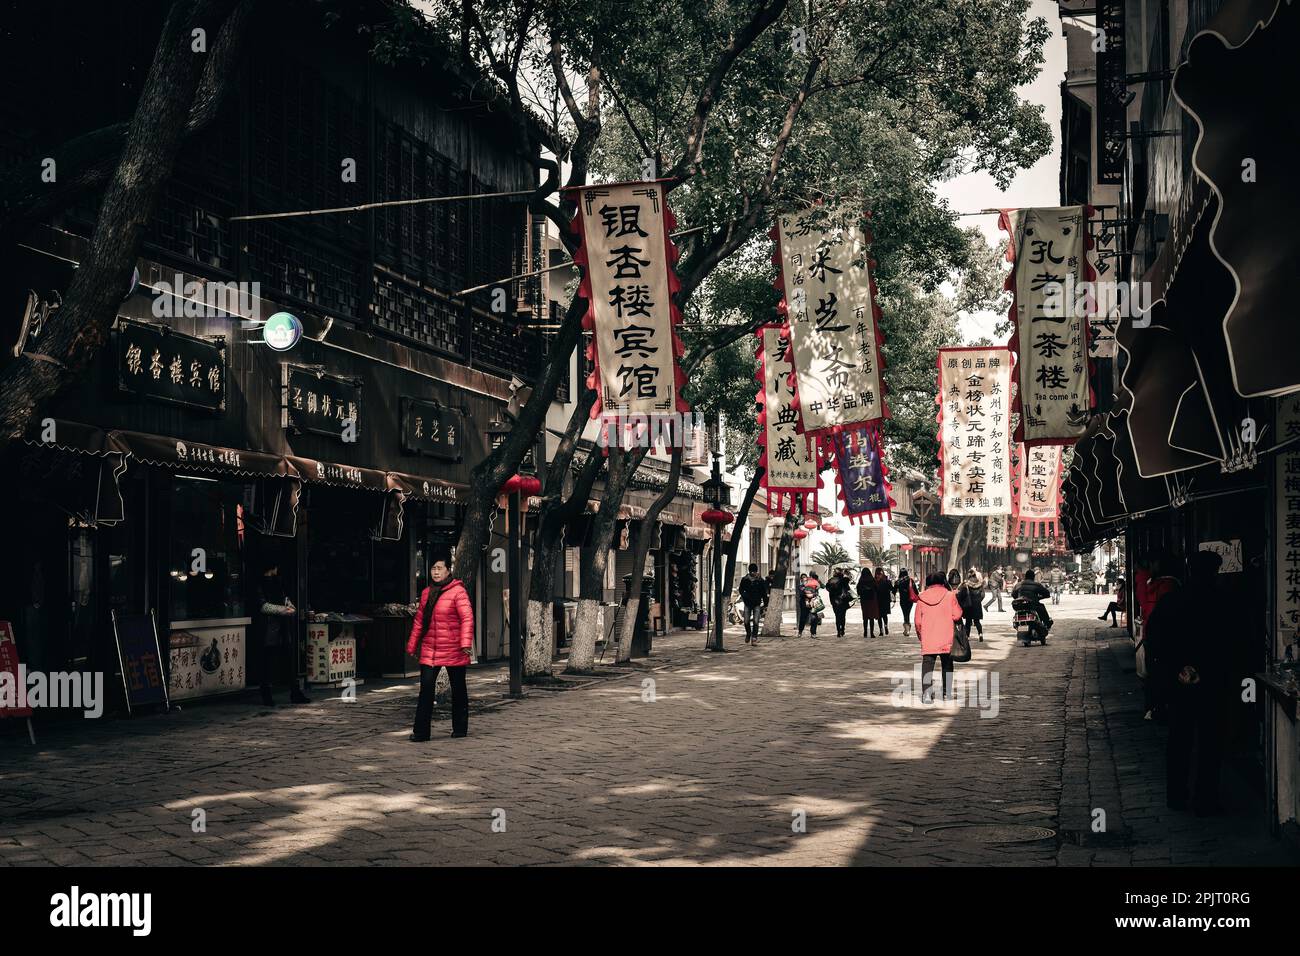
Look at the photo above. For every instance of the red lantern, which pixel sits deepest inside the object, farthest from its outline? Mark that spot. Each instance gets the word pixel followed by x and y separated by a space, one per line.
pixel 511 484
pixel 530 485
pixel 800 534
pixel 810 524
pixel 831 527
pixel 717 516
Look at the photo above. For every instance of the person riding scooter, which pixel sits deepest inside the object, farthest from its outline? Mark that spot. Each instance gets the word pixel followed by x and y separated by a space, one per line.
pixel 1032 591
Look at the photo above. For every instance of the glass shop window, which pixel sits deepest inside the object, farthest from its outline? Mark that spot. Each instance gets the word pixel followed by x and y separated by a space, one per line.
pixel 205 568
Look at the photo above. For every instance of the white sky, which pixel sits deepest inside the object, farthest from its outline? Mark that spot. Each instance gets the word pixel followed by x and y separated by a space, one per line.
pixel 1037 186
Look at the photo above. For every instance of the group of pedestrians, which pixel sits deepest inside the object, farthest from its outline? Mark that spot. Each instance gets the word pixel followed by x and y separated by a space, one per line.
pixel 876 592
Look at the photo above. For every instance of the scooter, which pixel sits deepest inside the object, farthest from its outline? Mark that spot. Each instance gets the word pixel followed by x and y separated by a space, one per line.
pixel 1028 622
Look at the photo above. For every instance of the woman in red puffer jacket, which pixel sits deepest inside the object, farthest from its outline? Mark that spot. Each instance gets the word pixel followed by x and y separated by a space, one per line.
pixel 443 636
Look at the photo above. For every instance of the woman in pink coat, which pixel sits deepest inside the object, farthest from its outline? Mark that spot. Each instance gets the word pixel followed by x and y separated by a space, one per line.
pixel 443 635
pixel 936 611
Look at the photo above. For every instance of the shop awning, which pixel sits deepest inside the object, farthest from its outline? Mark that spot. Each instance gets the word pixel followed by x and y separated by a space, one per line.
pixel 342 476
pixel 431 489
pixel 76 470
pixel 1240 75
pixel 182 455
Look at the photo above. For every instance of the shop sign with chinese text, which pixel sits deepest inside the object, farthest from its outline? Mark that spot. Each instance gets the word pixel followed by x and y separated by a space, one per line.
pixel 321 404
pixel 974 430
pixel 628 281
pixel 429 428
pixel 155 362
pixel 830 311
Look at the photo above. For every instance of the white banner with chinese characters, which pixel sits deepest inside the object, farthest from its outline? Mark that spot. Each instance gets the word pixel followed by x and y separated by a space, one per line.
pixel 831 313
pixel 1050 336
pixel 791 468
pixel 628 280
pixel 974 399
pixel 1038 501
pixel 996 536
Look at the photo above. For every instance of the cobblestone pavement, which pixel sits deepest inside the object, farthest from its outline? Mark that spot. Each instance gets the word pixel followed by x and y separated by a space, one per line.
pixel 718 768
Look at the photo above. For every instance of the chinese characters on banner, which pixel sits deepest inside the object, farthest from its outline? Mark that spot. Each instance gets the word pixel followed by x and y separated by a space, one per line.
pixel 158 363
pixel 1039 496
pixel 1287 503
pixel 997 532
pixel 974 401
pixel 791 468
pixel 628 281
pixel 860 469
pixel 832 317
pixel 1048 251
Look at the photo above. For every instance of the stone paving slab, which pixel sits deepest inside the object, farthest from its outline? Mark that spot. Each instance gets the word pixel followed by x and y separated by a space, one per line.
pixel 792 752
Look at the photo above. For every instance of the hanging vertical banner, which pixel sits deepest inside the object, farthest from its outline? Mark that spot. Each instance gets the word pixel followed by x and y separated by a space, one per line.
pixel 1039 498
pixel 829 302
pixel 974 399
pixel 996 536
pixel 790 464
pixel 628 281
pixel 859 463
pixel 1112 92
pixel 1049 312
pixel 1286 539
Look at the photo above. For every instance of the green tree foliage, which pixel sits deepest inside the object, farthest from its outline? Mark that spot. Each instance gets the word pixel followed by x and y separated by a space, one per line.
pixel 830 554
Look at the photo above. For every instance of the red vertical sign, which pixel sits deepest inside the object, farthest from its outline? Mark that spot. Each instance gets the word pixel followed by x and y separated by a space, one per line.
pixel 9 665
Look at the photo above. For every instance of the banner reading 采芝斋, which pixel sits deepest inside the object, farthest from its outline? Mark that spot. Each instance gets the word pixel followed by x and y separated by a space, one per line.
pixel 1039 493
pixel 1050 317
pixel 790 466
pixel 830 308
pixel 974 399
pixel 628 281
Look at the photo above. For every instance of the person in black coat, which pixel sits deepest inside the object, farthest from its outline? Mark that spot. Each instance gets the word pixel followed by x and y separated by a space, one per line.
pixel 907 596
pixel 884 592
pixel 277 639
pixel 753 595
pixel 870 602
pixel 971 598
pixel 841 595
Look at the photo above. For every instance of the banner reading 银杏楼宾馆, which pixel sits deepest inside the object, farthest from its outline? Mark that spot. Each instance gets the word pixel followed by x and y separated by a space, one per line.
pixel 627 260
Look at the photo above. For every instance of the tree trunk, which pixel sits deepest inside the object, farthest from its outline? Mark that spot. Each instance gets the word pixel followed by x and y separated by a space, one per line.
pixel 733 546
pixel 582 652
pixel 87 161
pixel 648 525
pixel 80 327
pixel 784 549
pixel 955 551
pixel 548 543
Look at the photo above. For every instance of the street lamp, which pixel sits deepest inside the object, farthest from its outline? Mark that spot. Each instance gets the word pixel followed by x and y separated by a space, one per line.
pixel 517 488
pixel 717 495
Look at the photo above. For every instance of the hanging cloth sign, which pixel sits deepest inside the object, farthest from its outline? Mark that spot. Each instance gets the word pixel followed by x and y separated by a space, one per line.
pixel 1039 499
pixel 974 399
pixel 829 302
pixel 790 462
pixel 1049 314
pixel 863 478
pixel 996 536
pixel 628 281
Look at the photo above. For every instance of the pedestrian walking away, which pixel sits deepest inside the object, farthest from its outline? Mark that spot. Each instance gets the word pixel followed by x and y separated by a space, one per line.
pixel 937 611
pixel 907 596
pixel 884 593
pixel 442 635
pixel 969 597
pixel 869 601
pixel 840 591
pixel 753 595
pixel 812 601
pixel 278 640
pixel 800 605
